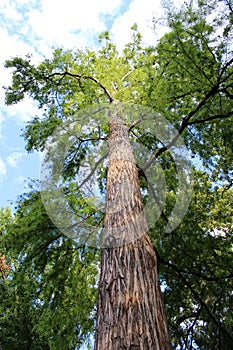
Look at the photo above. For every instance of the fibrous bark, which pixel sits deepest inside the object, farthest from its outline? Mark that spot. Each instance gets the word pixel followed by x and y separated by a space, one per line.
pixel 130 309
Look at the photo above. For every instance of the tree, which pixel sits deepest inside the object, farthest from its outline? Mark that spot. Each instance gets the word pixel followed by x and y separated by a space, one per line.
pixel 130 309
pixel 187 79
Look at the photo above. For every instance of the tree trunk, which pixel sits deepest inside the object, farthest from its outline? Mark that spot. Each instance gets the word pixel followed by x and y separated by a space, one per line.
pixel 130 312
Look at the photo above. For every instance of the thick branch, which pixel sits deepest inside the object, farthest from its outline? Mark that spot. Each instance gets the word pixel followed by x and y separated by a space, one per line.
pixel 183 318
pixel 138 121
pixel 229 5
pixel 213 117
pixel 78 77
pixel 225 67
pixel 184 125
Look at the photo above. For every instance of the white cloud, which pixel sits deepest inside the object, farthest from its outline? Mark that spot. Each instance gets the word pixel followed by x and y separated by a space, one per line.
pixel 142 14
pixel 23 111
pixel 14 159
pixel 69 23
pixel 13 46
pixel 19 181
pixel 8 10
pixel 24 2
pixel 3 170
pixel 11 13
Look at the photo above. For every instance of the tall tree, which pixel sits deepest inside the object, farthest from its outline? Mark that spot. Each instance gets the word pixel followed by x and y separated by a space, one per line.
pixel 187 78
pixel 130 309
pixel 136 294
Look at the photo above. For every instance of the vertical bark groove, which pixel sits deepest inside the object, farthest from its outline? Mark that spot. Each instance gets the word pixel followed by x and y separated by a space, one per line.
pixel 130 309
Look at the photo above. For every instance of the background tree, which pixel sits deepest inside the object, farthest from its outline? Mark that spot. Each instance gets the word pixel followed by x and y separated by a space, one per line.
pixel 187 78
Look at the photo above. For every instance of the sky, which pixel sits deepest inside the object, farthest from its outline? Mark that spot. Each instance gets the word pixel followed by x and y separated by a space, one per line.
pixel 36 27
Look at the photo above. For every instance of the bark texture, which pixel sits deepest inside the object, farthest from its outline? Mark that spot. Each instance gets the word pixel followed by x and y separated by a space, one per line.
pixel 130 309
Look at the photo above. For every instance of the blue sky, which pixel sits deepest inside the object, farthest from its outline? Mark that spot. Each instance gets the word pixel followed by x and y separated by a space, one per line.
pixel 36 27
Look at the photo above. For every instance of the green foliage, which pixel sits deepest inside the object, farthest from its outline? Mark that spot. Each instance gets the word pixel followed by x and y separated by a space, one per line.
pixel 187 79
pixel 195 264
pixel 50 293
pixel 195 61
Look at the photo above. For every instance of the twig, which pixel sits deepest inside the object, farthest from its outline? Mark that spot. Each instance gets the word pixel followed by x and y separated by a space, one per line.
pixel 127 74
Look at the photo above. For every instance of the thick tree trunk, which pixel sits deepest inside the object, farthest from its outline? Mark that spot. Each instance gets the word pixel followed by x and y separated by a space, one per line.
pixel 130 309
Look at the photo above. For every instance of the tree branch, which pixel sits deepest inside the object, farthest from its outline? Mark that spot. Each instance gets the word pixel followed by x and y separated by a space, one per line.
pixel 213 117
pixel 201 71
pixel 229 5
pixel 127 74
pixel 138 121
pixel 93 170
pixel 224 69
pixel 78 77
pixel 184 124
